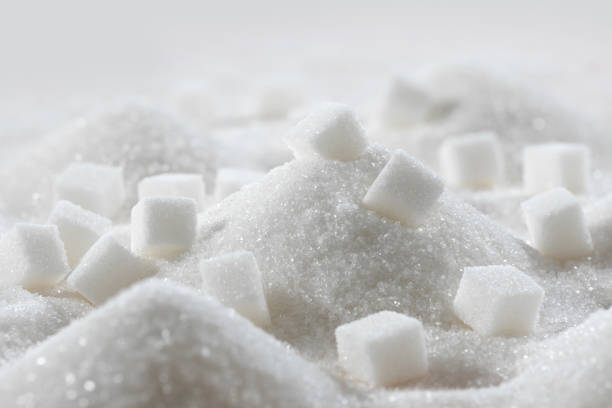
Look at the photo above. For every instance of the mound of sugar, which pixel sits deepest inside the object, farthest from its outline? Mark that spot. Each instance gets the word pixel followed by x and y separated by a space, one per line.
pixel 141 140
pixel 191 350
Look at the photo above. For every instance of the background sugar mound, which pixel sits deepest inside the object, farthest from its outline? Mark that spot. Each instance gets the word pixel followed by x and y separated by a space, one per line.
pixel 141 139
pixel 190 352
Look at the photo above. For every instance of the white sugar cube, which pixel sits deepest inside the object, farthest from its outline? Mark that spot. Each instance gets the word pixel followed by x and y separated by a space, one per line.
pixel 557 225
pixel 332 131
pixel 107 268
pixel 235 280
pixel 405 190
pixel 163 226
pixel 404 104
pixel 33 255
pixel 95 187
pixel 498 300
pixel 230 180
pixel 78 228
pixel 550 165
pixel 473 161
pixel 599 220
pixel 175 185
pixel 385 349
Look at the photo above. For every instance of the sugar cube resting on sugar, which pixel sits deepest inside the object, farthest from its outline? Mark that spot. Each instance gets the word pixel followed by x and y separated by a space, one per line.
pixel 472 161
pixel 174 184
pixel 498 300
pixel 332 131
pixel 163 226
pixel 107 268
pixel 235 280
pixel 95 187
pixel 78 228
pixel 557 225
pixel 33 255
pixel 230 180
pixel 405 190
pixel 383 349
pixel 551 165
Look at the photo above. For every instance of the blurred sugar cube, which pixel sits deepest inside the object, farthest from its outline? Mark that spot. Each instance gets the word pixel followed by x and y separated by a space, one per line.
pixel 551 165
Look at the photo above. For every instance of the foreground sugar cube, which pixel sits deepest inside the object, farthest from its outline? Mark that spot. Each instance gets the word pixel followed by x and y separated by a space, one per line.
pixel 33 255
pixel 107 268
pixel 78 228
pixel 498 300
pixel 235 280
pixel 557 225
pixel 175 185
pixel 384 349
pixel 163 226
pixel 332 131
pixel 473 161
pixel 550 165
pixel 95 187
pixel 230 180
pixel 405 190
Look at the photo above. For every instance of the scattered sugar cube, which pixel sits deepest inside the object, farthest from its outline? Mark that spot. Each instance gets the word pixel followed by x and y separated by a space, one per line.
pixel 405 190
pixel 107 268
pixel 550 165
pixel 95 187
pixel 557 225
pixel 33 255
pixel 473 161
pixel 78 228
pixel 230 180
pixel 332 131
pixel 385 348
pixel 163 226
pixel 234 279
pixel 498 300
pixel 174 185
pixel 404 104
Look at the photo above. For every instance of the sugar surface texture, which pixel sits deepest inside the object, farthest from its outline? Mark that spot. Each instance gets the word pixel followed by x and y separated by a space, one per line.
pixel 231 179
pixel 78 228
pixel 498 300
pixel 384 349
pixel 551 165
pixel 174 185
pixel 163 226
pixel 235 280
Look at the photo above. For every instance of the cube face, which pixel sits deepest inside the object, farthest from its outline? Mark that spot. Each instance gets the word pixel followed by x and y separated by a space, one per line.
pixel 552 165
pixel 557 225
pixel 384 349
pixel 174 185
pixel 94 187
pixel 35 255
pixel 405 190
pixel 473 161
pixel 235 280
pixel 106 269
pixel 163 226
pixel 78 228
pixel 498 300
pixel 332 131
pixel 230 180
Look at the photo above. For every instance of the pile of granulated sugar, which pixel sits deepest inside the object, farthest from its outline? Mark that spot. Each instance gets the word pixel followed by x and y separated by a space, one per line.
pixel 141 139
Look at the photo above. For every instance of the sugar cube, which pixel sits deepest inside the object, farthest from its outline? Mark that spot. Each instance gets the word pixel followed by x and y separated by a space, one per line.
pixel 599 221
pixel 175 185
pixel 404 104
pixel 235 280
pixel 472 161
pixel 498 300
pixel 230 180
pixel 78 228
pixel 95 187
pixel 332 131
pixel 405 190
pixel 107 268
pixel 33 255
pixel 384 349
pixel 557 225
pixel 163 226
pixel 550 165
